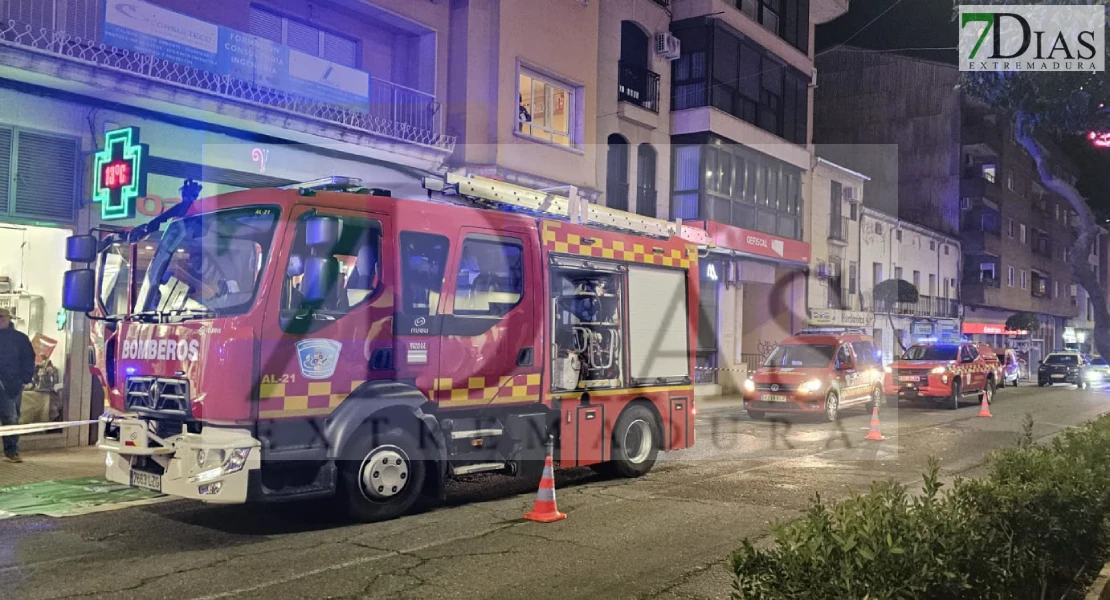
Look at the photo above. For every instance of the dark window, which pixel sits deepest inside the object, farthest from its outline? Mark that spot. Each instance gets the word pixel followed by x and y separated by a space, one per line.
pixel 491 277
pixel 843 356
pixel 943 352
pixel 799 355
pixel 357 254
pixel 616 184
pixel 423 261
pixel 645 180
pixel 853 211
pixel 866 354
pixel 303 37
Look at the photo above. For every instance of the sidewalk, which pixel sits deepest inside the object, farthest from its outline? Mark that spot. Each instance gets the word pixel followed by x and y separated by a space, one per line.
pixel 51 465
pixel 62 483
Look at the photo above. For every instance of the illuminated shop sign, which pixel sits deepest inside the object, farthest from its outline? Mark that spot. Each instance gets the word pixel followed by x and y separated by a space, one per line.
pixel 119 174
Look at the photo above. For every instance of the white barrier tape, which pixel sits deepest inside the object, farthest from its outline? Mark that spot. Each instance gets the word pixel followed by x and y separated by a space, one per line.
pixel 40 427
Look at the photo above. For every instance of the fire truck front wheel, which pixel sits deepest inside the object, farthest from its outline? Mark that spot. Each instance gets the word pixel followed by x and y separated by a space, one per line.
pixel 386 481
pixel 636 442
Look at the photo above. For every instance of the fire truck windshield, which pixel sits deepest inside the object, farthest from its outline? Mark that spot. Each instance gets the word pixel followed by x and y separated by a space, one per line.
pixel 931 353
pixel 208 264
pixel 800 355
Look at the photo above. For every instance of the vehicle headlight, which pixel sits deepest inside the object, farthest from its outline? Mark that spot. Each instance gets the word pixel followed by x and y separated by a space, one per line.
pixel 939 371
pixel 888 370
pixel 1094 375
pixel 749 385
pixel 236 460
pixel 811 386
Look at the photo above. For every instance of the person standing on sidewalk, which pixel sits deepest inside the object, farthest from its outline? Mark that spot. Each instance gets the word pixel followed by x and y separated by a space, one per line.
pixel 17 369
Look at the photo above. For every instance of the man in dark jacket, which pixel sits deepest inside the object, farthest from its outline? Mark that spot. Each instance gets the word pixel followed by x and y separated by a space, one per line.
pixel 17 369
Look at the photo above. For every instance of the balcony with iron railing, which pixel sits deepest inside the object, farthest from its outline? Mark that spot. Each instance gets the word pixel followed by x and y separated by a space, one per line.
pixel 638 85
pixel 926 306
pixel 71 31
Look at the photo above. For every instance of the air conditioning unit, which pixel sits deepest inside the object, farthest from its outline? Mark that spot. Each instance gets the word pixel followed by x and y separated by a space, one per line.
pixel 850 194
pixel 667 45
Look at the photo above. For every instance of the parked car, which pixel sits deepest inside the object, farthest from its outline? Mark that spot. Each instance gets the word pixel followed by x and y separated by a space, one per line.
pixel 944 372
pixel 1063 367
pixel 1012 369
pixel 816 371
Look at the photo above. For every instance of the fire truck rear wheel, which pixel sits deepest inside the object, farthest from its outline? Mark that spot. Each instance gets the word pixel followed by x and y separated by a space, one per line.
pixel 635 442
pixel 386 481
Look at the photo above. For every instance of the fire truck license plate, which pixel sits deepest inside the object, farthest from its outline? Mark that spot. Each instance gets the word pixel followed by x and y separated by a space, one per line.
pixel 148 481
pixel 910 379
pixel 771 398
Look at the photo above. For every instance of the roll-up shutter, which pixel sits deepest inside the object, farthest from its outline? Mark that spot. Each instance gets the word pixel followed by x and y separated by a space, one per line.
pixel 45 177
pixel 658 324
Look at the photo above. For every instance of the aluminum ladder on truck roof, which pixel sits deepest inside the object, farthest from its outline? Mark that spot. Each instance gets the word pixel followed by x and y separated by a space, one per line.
pixel 497 194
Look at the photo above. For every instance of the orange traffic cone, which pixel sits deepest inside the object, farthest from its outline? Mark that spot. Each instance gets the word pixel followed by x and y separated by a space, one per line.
pixel 985 407
pixel 874 434
pixel 544 510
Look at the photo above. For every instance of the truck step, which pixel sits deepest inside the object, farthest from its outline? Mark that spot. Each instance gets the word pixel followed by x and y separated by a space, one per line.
pixel 477 468
pixel 467 434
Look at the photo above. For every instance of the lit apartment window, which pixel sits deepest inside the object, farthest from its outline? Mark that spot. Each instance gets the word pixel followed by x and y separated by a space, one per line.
pixel 303 37
pixel 1024 280
pixel 1023 239
pixel 1009 277
pixel 546 110
pixel 986 272
pixel 990 172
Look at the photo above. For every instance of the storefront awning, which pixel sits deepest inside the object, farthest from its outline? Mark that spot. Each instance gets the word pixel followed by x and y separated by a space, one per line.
pixel 756 244
pixel 990 329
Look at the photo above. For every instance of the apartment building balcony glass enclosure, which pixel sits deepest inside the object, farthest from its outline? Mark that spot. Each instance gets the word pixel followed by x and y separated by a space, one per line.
pixel 722 68
pixel 719 180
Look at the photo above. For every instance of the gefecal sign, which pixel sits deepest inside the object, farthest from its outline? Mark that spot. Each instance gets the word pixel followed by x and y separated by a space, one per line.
pixel 163 349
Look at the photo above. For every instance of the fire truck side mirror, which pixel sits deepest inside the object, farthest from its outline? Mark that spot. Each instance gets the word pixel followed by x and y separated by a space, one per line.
pixel 320 231
pixel 320 276
pixel 81 248
pixel 78 286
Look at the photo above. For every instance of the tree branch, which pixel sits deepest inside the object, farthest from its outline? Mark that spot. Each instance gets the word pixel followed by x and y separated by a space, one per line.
pixel 1088 231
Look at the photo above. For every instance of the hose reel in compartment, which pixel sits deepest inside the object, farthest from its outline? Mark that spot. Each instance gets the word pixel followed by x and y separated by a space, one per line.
pixel 588 331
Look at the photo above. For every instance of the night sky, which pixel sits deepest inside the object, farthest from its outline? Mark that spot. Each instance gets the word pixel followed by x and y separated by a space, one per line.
pixel 910 25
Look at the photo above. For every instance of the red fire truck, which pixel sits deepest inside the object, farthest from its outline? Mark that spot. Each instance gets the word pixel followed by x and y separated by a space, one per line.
pixel 326 339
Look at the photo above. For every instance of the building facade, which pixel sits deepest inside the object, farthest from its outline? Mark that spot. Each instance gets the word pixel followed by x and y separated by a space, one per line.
pixel 958 172
pixel 836 292
pixel 741 157
pixel 896 249
pixel 233 95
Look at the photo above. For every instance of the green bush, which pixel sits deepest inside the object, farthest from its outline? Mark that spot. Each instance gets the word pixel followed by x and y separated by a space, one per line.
pixel 1034 527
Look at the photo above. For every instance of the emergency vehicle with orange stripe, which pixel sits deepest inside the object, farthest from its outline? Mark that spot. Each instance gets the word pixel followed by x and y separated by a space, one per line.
pixel 947 372
pixel 327 339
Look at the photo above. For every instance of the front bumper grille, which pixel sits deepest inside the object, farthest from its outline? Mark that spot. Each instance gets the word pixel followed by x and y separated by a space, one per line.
pixel 776 388
pixel 159 396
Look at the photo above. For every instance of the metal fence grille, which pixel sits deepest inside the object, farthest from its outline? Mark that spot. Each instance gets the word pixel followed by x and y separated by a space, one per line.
pixel 71 29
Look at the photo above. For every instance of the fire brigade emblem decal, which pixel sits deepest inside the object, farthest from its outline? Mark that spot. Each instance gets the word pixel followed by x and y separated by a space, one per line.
pixel 318 357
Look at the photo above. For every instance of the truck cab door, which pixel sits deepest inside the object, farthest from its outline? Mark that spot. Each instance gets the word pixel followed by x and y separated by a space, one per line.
pixel 974 376
pixel 490 353
pixel 312 356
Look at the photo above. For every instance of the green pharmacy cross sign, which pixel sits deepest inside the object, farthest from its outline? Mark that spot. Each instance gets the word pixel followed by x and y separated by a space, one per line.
pixel 119 174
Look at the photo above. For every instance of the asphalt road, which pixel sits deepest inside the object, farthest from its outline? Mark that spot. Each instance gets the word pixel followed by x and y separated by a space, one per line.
pixel 666 535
